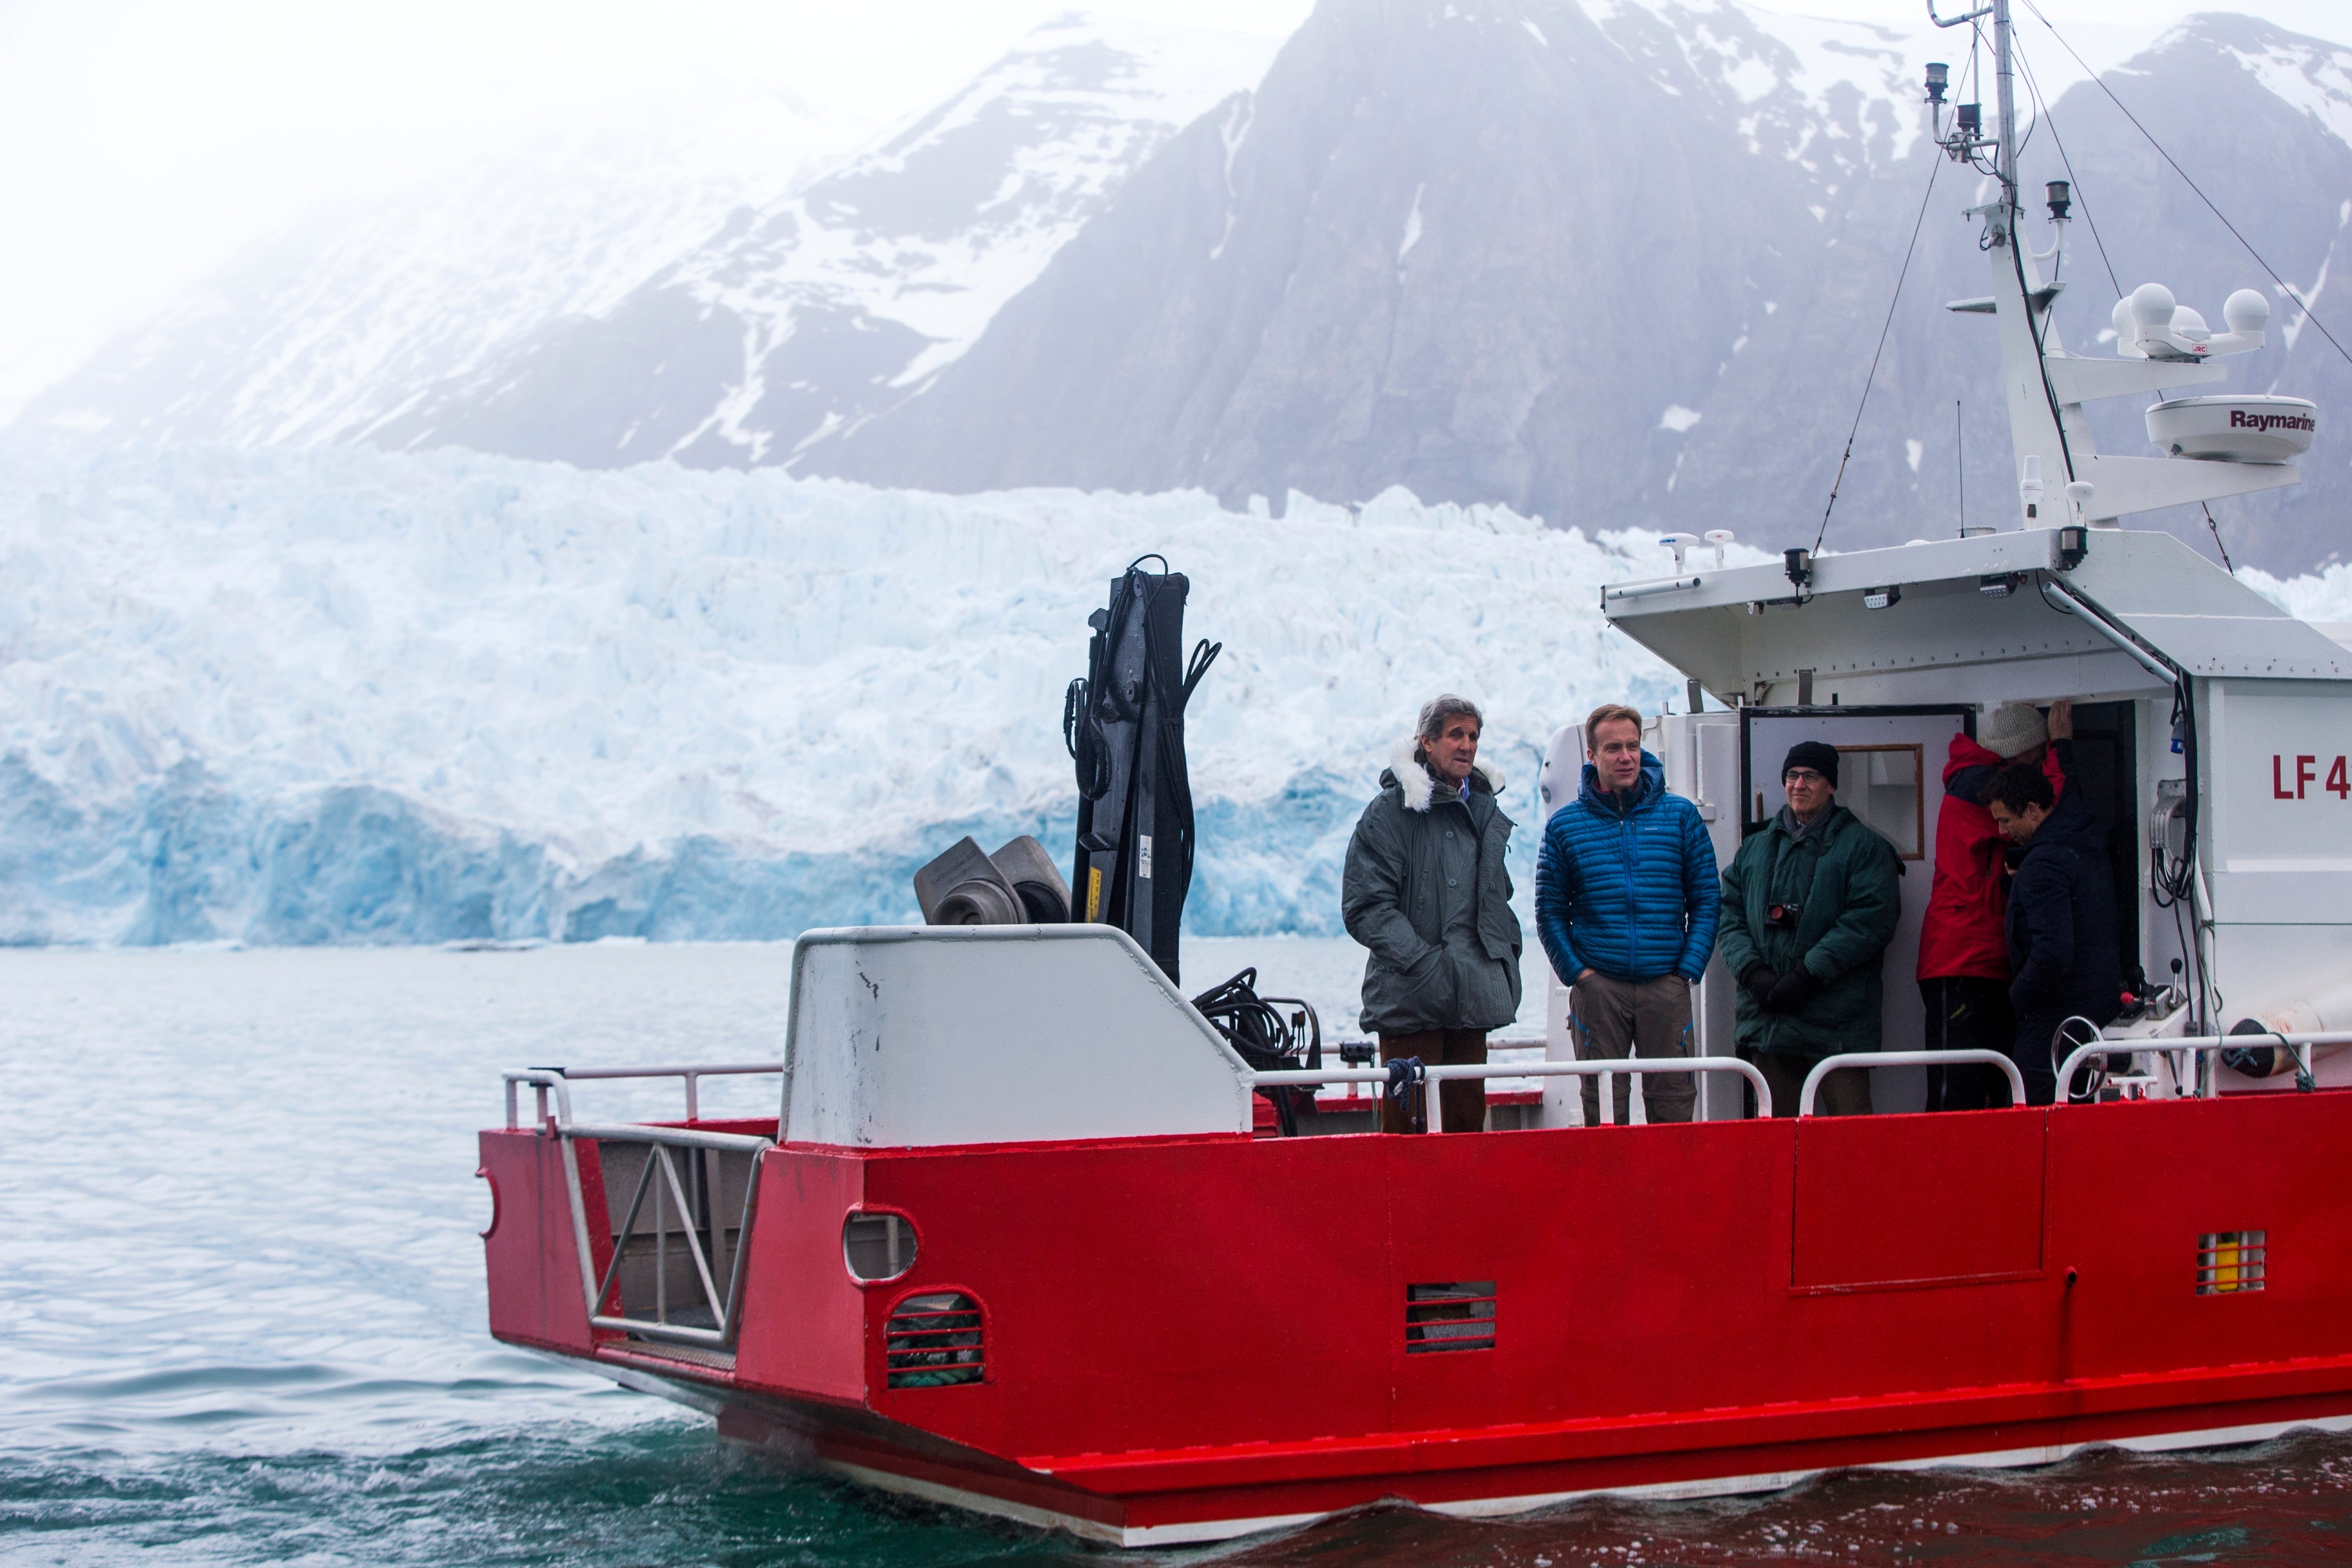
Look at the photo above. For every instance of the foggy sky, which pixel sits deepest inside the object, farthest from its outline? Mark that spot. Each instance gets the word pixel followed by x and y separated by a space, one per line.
pixel 143 143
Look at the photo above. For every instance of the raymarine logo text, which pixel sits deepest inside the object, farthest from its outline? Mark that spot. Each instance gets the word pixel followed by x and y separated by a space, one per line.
pixel 2242 420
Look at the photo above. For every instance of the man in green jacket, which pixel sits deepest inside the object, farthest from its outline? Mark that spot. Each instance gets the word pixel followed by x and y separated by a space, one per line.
pixel 1426 891
pixel 1809 905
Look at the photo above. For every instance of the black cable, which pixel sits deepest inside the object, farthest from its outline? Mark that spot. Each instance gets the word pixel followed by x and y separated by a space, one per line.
pixel 2217 540
pixel 2073 183
pixel 2309 313
pixel 2033 331
pixel 1960 461
pixel 1934 167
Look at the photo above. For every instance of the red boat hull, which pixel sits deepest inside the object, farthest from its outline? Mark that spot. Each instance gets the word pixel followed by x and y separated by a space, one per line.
pixel 1192 1338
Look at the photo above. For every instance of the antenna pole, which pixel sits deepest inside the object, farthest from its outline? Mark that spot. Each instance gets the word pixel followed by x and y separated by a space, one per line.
pixel 2005 164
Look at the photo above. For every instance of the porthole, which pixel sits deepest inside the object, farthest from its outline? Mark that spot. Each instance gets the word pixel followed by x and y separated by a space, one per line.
pixel 877 1246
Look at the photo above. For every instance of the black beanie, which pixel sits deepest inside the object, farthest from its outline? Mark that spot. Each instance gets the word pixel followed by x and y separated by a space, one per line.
pixel 1814 754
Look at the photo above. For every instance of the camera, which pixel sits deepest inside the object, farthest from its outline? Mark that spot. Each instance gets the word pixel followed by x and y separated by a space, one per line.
pixel 1783 915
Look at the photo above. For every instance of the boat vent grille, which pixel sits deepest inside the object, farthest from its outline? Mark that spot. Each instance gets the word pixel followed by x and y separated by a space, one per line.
pixel 932 1342
pixel 1456 1316
pixel 2228 1262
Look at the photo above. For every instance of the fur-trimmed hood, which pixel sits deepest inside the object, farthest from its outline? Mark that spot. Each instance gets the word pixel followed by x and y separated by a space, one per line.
pixel 1414 779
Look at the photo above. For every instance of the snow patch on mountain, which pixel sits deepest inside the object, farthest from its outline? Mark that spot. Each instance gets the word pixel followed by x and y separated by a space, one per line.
pixel 928 232
pixel 2317 81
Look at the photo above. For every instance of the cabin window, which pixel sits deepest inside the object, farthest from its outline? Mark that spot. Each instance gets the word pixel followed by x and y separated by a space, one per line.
pixel 877 1246
pixel 1455 1316
pixel 2228 1262
pixel 1880 785
pixel 935 1340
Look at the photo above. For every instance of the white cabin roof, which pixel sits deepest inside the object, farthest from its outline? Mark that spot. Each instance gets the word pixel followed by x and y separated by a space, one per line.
pixel 1735 627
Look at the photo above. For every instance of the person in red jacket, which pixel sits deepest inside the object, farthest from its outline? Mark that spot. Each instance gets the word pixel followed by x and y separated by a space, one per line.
pixel 1963 940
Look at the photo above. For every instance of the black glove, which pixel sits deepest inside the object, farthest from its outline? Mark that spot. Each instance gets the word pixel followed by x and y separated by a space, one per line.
pixel 1756 980
pixel 1791 991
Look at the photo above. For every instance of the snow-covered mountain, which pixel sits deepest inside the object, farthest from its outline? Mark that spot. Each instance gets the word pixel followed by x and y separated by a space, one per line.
pixel 342 325
pixel 678 288
pixel 1612 261
pixel 343 695
pixel 1600 261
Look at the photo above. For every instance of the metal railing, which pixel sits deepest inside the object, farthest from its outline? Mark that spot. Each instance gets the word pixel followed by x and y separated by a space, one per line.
pixel 725 1308
pixel 693 1076
pixel 2201 1047
pixel 1829 1065
pixel 1603 1069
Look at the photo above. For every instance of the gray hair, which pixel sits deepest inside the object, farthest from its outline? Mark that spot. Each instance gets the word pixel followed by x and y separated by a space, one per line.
pixel 1438 710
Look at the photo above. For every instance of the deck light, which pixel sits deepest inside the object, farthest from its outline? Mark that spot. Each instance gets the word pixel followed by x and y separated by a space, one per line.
pixel 2061 200
pixel 1880 598
pixel 1939 76
pixel 1999 585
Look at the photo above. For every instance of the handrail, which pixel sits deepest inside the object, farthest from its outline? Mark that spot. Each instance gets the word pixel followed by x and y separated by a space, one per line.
pixel 673 1137
pixel 727 1310
pixel 1829 1065
pixel 542 1080
pixel 2298 1042
pixel 1602 1068
pixel 692 1074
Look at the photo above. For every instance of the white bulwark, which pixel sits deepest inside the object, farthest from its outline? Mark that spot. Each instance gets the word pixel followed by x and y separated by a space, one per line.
pixel 921 1036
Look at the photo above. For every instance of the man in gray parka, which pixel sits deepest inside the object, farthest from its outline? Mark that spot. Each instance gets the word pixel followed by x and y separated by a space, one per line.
pixel 1426 891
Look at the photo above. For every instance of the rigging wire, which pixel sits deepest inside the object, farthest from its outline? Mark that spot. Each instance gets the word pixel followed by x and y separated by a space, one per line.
pixel 2042 105
pixel 1934 168
pixel 2217 540
pixel 2292 292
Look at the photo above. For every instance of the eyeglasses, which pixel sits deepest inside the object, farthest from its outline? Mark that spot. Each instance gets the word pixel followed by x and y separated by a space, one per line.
pixel 1804 775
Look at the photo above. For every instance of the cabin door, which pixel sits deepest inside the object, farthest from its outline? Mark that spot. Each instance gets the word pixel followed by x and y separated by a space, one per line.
pixel 1890 774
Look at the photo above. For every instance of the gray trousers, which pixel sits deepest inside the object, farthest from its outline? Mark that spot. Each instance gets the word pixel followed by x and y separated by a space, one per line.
pixel 1616 1018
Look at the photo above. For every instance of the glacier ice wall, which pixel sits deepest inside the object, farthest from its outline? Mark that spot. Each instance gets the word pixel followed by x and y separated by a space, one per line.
pixel 351 696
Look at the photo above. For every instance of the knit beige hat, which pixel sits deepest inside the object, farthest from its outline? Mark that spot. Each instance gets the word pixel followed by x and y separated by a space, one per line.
pixel 2014 729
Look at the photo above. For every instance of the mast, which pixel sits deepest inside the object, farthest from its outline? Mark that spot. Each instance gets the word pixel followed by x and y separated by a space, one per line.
pixel 2061 477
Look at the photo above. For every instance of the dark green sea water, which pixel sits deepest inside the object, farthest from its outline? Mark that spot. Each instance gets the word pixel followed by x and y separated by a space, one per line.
pixel 241 1318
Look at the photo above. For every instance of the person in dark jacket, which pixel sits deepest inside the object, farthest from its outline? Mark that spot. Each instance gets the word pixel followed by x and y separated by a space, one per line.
pixel 2062 921
pixel 1963 942
pixel 1625 906
pixel 1809 905
pixel 1426 891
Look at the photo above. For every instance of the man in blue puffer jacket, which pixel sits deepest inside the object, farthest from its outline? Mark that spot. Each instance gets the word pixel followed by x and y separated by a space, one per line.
pixel 1625 904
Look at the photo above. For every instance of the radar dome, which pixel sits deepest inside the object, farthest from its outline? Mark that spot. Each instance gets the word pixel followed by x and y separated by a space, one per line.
pixel 2246 311
pixel 2152 306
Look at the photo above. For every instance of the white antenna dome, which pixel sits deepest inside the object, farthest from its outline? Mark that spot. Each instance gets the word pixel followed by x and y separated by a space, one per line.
pixel 2246 311
pixel 2127 329
pixel 2151 307
pixel 2188 323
